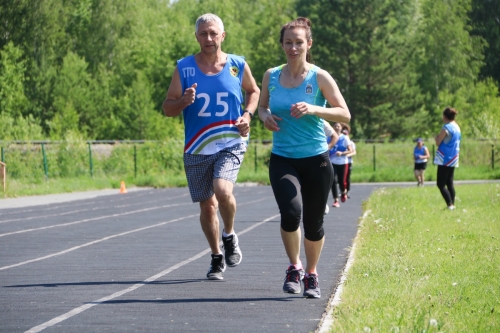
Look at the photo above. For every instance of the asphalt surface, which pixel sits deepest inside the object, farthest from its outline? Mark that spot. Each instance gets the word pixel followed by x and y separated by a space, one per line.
pixel 136 262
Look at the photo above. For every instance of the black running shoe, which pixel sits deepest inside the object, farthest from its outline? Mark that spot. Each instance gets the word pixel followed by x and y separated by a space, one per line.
pixel 311 287
pixel 217 267
pixel 232 251
pixel 292 280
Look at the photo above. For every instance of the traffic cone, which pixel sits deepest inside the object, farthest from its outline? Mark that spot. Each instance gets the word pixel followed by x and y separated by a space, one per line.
pixel 122 187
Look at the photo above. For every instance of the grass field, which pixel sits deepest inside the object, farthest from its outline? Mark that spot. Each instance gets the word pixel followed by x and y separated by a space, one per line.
pixel 419 267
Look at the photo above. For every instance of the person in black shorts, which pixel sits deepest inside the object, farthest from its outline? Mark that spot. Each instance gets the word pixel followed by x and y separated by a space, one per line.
pixel 420 154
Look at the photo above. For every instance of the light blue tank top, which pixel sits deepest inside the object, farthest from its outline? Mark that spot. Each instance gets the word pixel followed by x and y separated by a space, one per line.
pixel 449 149
pixel 302 137
pixel 209 121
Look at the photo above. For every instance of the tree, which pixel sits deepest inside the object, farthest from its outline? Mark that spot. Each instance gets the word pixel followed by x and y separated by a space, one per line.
pixel 485 22
pixel 13 100
pixel 366 46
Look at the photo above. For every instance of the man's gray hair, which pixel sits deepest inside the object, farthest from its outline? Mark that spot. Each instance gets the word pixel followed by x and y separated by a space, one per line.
pixel 205 18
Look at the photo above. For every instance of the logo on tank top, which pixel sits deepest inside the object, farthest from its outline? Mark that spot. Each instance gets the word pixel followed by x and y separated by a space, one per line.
pixel 188 71
pixel 309 89
pixel 234 71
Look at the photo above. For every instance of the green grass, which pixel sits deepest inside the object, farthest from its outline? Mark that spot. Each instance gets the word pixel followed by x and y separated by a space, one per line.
pixel 419 267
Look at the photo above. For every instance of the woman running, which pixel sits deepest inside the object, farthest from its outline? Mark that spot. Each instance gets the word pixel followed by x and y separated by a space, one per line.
pixel 338 158
pixel 420 154
pixel 293 105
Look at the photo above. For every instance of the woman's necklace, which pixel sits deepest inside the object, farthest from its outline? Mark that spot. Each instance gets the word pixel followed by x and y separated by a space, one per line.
pixel 298 76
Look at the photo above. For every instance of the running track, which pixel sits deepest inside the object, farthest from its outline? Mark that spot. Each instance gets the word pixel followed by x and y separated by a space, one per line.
pixel 136 262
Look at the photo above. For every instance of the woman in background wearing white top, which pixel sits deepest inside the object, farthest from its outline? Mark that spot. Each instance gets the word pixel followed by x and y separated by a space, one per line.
pixel 331 138
pixel 338 157
pixel 420 154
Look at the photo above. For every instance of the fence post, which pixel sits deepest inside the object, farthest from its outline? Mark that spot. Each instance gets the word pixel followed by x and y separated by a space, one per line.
pixel 255 157
pixel 135 161
pixel 3 173
pixel 374 159
pixel 91 166
pixel 492 156
pixel 3 156
pixel 433 154
pixel 45 167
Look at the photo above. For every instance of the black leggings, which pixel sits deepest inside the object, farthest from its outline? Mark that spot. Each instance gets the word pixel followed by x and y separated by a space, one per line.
pixel 445 183
pixel 301 184
pixel 340 178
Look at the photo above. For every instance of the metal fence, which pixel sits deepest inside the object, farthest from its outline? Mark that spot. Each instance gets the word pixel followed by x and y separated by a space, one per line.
pixel 44 159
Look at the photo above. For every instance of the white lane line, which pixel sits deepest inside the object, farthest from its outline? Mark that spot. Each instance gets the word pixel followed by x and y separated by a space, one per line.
pixel 51 215
pixel 117 235
pixel 89 220
pixel 95 242
pixel 87 306
pixel 327 320
pixel 85 210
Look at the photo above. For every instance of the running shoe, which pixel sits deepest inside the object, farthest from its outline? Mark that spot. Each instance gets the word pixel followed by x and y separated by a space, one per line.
pixel 343 197
pixel 348 196
pixel 336 204
pixel 451 207
pixel 311 287
pixel 232 251
pixel 217 267
pixel 292 280
pixel 327 209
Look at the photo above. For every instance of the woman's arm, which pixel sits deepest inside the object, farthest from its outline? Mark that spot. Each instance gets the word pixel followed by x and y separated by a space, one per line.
pixel 337 112
pixel 265 115
pixel 441 136
pixel 427 154
pixel 353 151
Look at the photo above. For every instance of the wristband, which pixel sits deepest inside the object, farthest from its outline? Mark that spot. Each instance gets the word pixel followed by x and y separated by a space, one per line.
pixel 250 113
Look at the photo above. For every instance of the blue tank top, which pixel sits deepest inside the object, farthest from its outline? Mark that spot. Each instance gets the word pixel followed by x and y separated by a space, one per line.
pixel 209 121
pixel 449 149
pixel 341 145
pixel 418 152
pixel 297 138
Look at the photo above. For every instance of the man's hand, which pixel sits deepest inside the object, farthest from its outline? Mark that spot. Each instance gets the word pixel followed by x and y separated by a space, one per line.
pixel 189 95
pixel 243 125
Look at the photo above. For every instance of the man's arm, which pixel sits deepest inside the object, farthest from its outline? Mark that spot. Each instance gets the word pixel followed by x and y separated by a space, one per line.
pixel 176 99
pixel 251 89
pixel 252 93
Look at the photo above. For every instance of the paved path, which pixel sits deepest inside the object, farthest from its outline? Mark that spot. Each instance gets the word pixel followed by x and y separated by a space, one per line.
pixel 109 262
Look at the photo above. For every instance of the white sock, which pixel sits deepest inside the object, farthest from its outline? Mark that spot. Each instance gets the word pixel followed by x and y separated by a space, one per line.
pixel 226 235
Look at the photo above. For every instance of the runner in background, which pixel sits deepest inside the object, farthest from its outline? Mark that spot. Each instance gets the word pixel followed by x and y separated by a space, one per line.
pixel 338 158
pixel 420 154
pixel 448 142
pixel 331 138
pixel 346 130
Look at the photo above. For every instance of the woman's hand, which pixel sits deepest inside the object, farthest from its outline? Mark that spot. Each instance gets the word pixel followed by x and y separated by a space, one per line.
pixel 300 109
pixel 270 122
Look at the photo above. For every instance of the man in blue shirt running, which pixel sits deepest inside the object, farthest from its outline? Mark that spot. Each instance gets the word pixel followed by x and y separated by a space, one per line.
pixel 207 89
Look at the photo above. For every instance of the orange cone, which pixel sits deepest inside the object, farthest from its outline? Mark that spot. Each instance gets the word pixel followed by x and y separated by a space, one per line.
pixel 122 187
